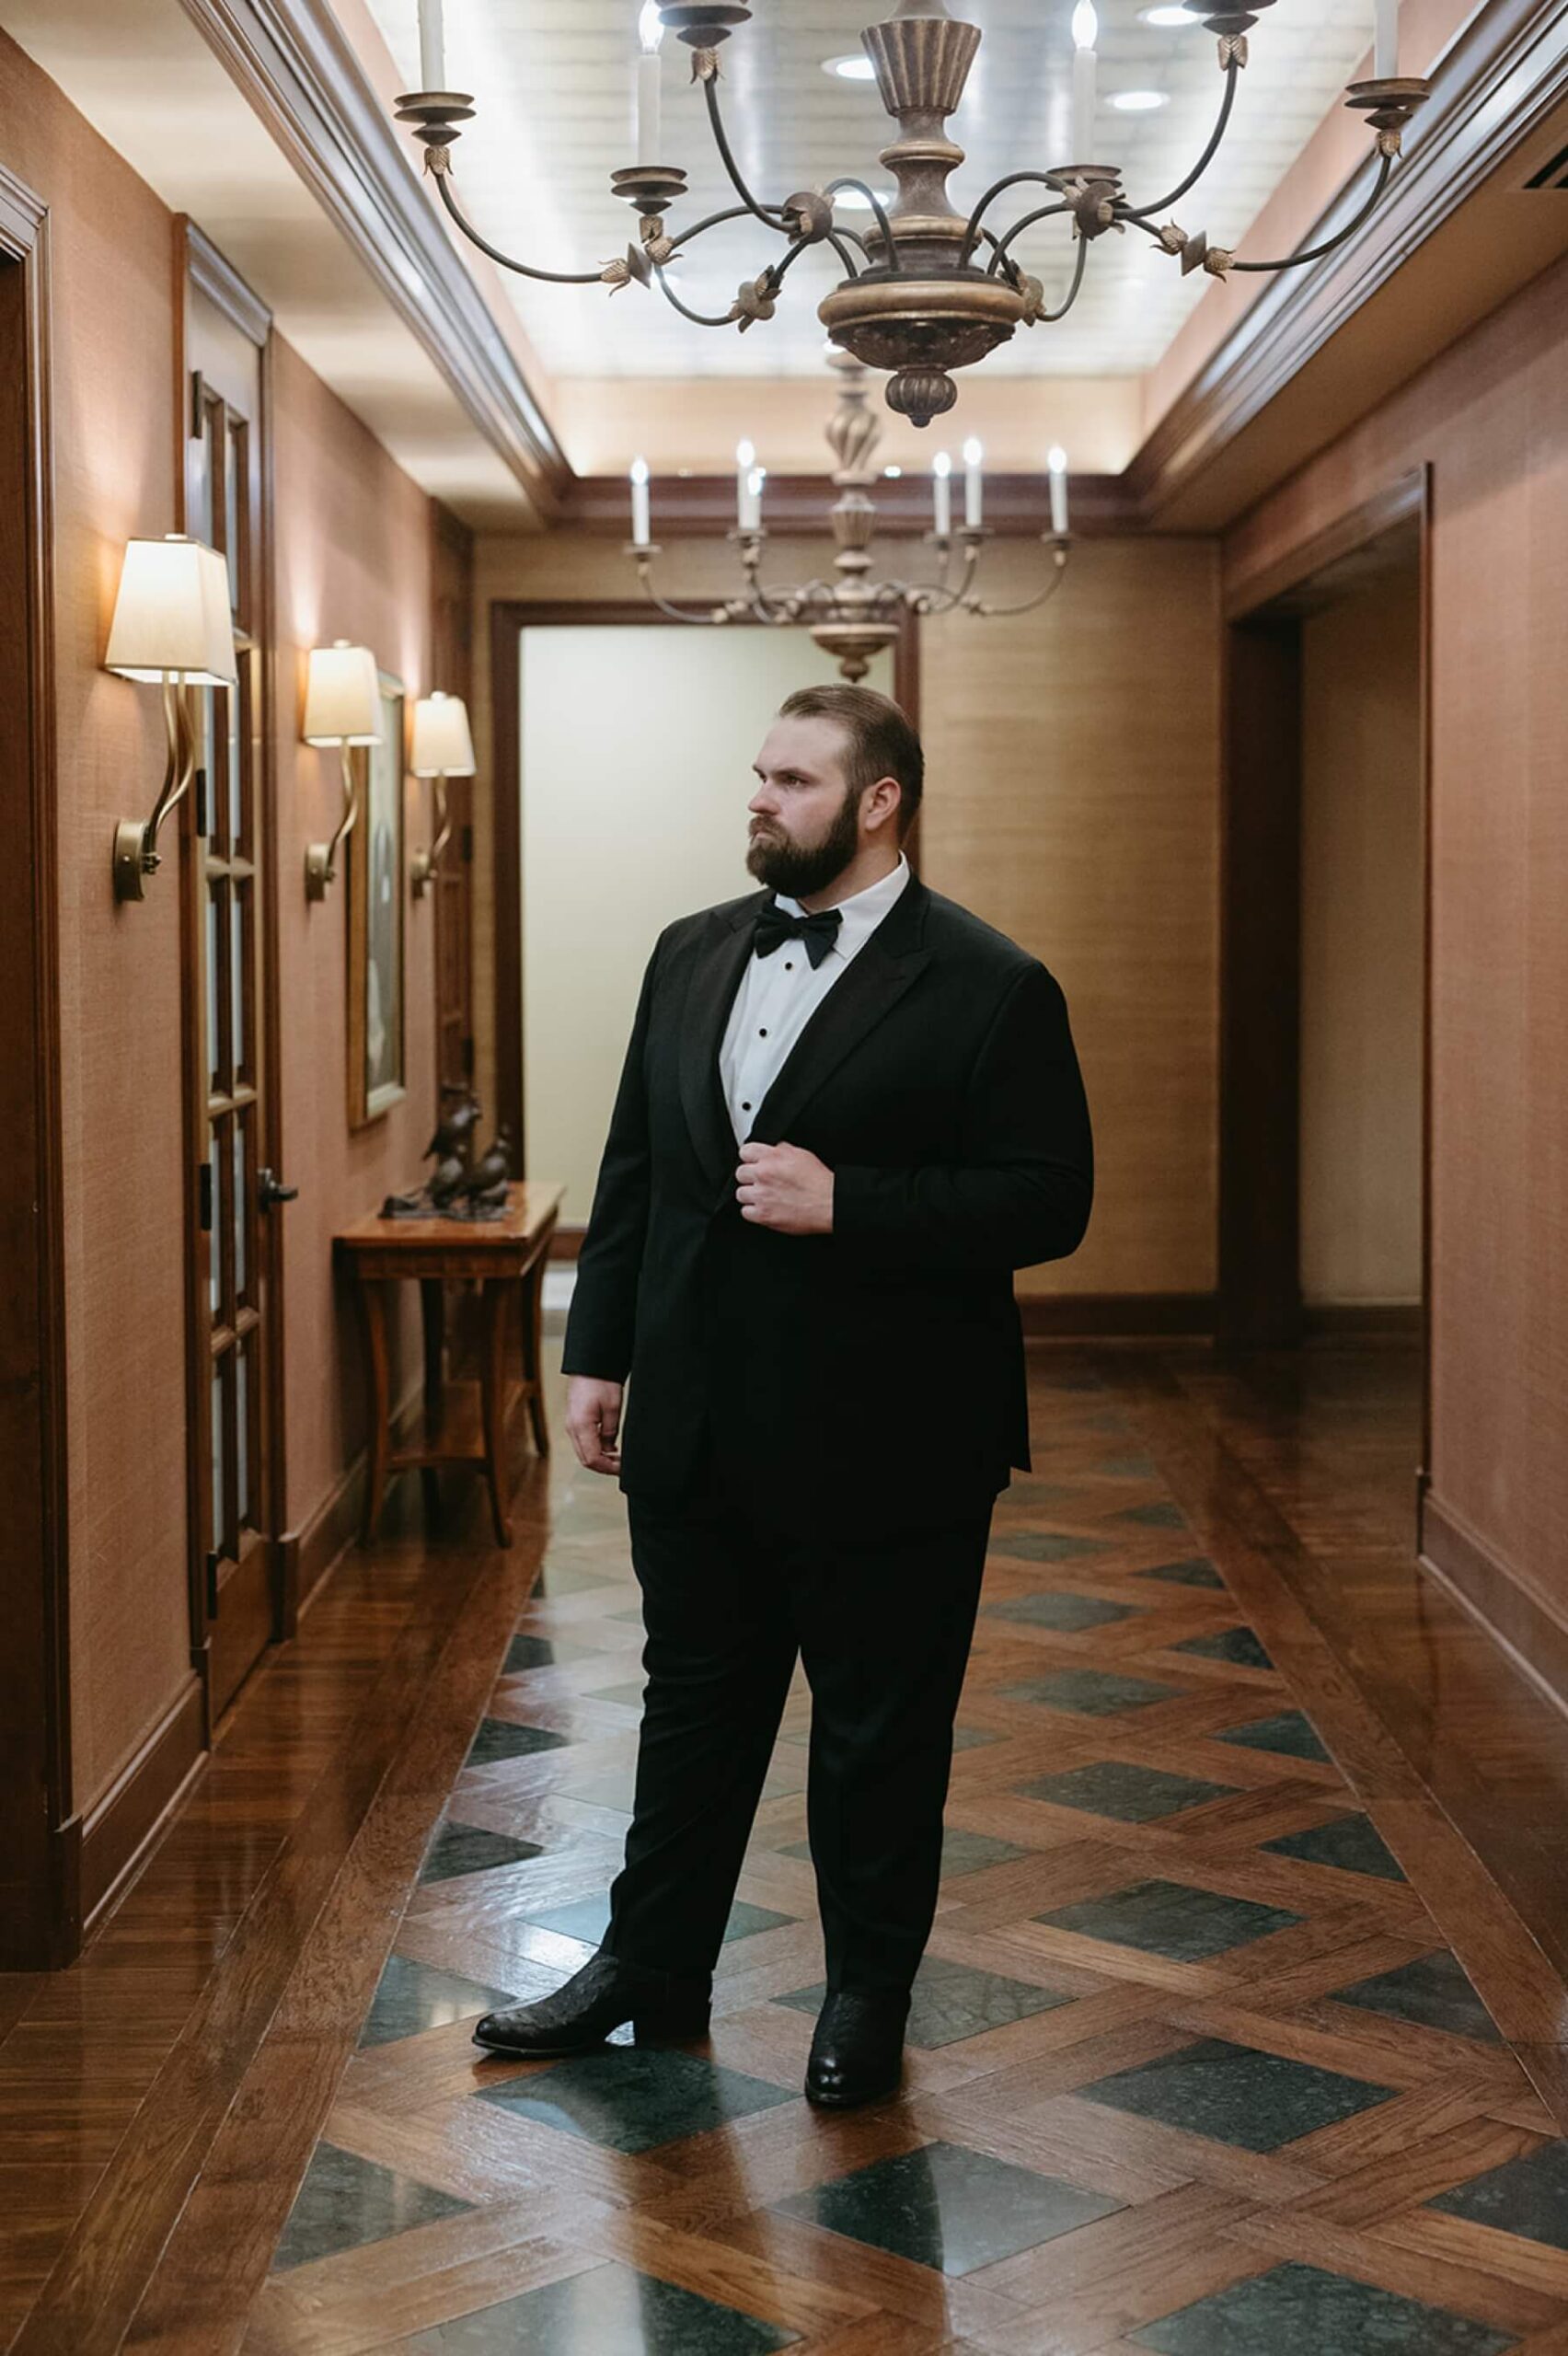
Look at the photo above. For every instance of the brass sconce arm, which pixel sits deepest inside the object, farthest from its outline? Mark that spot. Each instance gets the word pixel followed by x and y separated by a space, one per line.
pixel 321 858
pixel 425 864
pixel 136 854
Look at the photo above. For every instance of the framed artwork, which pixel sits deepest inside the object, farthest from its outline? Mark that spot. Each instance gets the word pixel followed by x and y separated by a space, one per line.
pixel 376 943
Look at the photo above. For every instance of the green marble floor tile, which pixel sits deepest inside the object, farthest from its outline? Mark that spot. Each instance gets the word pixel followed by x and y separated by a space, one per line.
pixel 570 1578
pixel 1239 1646
pixel 469 1849
pixel 971 1853
pixel 1167 1918
pixel 948 2208
pixel 1300 2311
pixel 1232 2094
pixel 498 1739
pixel 952 2000
pixel 1071 1613
pixel 1118 1788
pixel 411 1997
pixel 345 2203
pixel 1289 1733
pixel 1090 1693
pixel 630 1693
pixel 1190 1570
pixel 1046 1546
pixel 1433 1992
pixel 537 1652
pixel 1125 1468
pixel 1155 1517
pixel 589 1919
pixel 607 2310
pixel 1528 2197
pixel 1351 1842
pixel 634 2097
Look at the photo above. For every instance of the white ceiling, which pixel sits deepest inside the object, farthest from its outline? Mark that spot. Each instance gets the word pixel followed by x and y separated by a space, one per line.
pixel 554 82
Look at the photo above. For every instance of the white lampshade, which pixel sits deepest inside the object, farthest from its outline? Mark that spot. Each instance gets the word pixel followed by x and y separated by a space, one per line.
pixel 443 745
pixel 172 615
pixel 342 697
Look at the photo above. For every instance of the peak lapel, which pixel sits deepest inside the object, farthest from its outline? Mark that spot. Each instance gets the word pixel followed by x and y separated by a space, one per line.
pixel 715 978
pixel 878 976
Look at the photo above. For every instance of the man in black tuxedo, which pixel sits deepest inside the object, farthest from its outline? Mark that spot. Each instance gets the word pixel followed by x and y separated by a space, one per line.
pixel 848 1112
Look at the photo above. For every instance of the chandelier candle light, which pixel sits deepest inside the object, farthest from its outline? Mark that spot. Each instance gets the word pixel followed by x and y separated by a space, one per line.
pixel 853 618
pixel 926 289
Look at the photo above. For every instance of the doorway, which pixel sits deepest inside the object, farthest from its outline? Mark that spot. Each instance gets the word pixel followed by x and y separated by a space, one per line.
pixel 623 766
pixel 1324 898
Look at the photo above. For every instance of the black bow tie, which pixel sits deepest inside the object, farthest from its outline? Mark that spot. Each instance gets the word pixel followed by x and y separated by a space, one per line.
pixel 774 925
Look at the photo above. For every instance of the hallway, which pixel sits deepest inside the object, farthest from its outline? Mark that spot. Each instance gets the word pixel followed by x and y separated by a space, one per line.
pixel 1226 2039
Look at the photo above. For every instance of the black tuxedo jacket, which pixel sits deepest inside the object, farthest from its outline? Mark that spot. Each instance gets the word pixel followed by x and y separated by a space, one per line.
pixel 874 1377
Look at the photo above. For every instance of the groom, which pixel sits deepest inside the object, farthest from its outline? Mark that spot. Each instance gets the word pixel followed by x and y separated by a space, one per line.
pixel 848 1112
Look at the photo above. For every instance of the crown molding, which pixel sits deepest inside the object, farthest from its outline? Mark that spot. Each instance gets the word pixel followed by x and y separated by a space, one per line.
pixel 293 64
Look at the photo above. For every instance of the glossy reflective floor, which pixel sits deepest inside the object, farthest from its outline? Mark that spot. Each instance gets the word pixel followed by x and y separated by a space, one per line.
pixel 1227 2042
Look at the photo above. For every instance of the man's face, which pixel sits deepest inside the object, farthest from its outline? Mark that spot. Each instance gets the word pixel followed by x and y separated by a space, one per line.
pixel 805 824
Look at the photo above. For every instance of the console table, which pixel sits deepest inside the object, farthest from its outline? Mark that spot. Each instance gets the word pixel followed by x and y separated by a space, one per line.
pixel 506 1256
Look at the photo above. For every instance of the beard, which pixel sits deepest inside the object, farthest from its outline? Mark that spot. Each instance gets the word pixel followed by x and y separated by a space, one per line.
pixel 802 869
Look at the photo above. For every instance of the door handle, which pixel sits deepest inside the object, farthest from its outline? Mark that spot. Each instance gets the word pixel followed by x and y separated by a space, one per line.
pixel 269 1191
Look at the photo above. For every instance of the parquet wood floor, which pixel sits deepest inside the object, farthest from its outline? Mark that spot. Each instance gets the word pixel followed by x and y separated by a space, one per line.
pixel 1227 2042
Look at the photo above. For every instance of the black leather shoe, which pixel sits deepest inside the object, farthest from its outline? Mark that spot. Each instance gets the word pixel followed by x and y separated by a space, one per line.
pixel 662 2007
pixel 858 2049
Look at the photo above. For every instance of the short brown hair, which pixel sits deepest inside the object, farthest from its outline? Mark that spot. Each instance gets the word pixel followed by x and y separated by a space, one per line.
pixel 880 740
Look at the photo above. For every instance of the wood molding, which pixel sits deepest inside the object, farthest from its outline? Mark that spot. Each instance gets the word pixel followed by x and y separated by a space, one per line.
pixel 1364 1321
pixel 1520 1618
pixel 215 276
pixel 119 1829
pixel 1094 1314
pixel 308 1554
pixel 297 69
pixel 40 1906
pixel 507 616
pixel 1493 88
pixel 703 506
pixel 1402 501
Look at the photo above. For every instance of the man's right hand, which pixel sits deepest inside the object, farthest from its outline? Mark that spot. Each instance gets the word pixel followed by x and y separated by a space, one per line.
pixel 592 1417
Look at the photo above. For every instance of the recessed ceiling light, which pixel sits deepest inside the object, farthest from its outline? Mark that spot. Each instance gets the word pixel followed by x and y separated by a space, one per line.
pixel 893 473
pixel 1164 15
pixel 857 68
pixel 854 199
pixel 1140 101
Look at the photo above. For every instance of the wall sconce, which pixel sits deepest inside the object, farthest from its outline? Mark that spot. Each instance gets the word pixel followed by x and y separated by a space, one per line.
pixel 342 706
pixel 172 623
pixel 443 748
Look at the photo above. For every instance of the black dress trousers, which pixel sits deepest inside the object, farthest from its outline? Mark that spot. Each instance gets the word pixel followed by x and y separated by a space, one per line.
pixel 883 1625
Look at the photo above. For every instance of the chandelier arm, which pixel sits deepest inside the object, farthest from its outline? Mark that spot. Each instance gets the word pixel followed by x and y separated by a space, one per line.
pixel 1232 81
pixel 768 213
pixel 1030 605
pixel 523 270
pixel 1040 212
pixel 1316 253
pixel 697 319
pixel 1046 319
pixel 835 238
pixel 1001 262
pixel 732 213
pixel 998 187
pixel 889 243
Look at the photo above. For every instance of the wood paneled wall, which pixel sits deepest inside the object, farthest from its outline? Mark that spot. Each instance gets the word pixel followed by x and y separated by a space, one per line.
pixel 1072 800
pixel 1490 418
pixel 354 541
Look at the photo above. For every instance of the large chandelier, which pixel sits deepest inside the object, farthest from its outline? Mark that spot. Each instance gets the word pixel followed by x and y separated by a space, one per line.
pixel 853 617
pixel 926 289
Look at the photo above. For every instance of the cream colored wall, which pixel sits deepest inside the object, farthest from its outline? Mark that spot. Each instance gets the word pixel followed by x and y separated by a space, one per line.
pixel 637 747
pixel 1361 948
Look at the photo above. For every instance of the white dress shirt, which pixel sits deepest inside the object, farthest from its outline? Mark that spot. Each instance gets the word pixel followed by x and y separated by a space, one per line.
pixel 778 994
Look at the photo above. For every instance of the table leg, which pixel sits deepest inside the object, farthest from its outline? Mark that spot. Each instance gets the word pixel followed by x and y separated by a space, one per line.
pixel 493 1394
pixel 532 1319
pixel 432 1315
pixel 373 1308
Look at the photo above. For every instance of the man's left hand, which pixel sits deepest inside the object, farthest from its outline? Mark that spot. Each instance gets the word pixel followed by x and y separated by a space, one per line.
pixel 783 1187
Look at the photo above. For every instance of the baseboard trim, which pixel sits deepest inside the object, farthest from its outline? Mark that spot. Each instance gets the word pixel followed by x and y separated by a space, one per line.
pixel 119 1829
pixel 1091 1315
pixel 1357 1321
pixel 310 1552
pixel 1516 1617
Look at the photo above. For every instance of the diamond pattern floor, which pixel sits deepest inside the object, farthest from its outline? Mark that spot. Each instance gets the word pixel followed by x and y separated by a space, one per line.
pixel 1192 2066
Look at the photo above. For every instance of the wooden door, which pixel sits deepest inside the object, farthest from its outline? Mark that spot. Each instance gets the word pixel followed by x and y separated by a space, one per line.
pixel 237 1603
